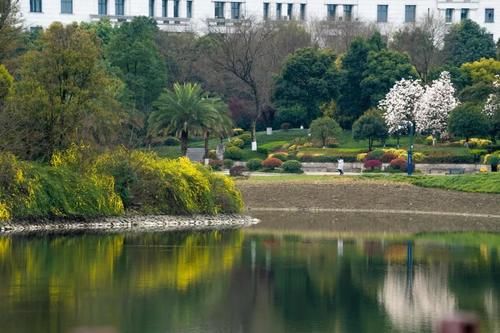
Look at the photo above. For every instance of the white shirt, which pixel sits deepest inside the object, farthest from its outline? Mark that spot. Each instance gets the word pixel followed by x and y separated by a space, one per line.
pixel 340 164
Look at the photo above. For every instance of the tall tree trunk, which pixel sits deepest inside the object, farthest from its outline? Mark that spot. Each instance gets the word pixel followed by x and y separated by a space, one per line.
pixel 206 136
pixel 184 142
pixel 397 140
pixel 254 130
pixel 370 144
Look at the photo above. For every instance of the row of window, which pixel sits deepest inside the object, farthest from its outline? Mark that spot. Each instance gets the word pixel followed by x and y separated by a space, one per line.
pixel 331 10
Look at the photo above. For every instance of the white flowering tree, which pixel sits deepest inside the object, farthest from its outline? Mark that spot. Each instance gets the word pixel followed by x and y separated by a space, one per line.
pixel 492 108
pixel 434 106
pixel 399 104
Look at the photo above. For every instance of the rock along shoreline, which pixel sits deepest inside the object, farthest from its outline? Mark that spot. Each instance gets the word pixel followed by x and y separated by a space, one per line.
pixel 133 223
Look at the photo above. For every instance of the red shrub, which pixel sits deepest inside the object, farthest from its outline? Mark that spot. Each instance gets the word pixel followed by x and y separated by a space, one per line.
pixel 399 164
pixel 373 164
pixel 237 170
pixel 271 163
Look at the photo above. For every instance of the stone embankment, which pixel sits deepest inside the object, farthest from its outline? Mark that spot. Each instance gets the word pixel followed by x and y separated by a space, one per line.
pixel 134 223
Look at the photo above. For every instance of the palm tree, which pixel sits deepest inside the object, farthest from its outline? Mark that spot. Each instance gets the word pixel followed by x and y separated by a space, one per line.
pixel 186 110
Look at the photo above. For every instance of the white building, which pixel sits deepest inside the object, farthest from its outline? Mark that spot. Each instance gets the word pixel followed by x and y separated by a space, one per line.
pixel 180 15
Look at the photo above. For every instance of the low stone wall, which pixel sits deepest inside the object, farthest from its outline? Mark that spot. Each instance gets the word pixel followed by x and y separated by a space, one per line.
pixel 134 223
pixel 358 167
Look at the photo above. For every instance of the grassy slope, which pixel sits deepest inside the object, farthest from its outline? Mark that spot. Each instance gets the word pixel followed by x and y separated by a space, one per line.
pixel 481 183
pixel 347 145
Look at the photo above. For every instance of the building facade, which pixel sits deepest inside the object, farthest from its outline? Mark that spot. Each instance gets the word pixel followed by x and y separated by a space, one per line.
pixel 198 15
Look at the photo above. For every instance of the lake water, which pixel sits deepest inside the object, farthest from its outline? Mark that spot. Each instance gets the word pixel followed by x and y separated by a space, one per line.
pixel 250 280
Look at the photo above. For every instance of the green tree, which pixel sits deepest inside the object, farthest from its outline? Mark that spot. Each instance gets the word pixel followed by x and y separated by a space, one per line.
pixel 481 71
pixel 10 29
pixel 467 120
pixel 133 50
pixel 308 79
pixel 383 69
pixel 371 126
pixel 187 110
pixel 6 82
pixel 352 102
pixel 467 42
pixel 63 95
pixel 325 129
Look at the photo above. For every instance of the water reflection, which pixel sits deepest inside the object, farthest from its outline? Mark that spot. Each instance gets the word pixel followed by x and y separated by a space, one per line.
pixel 246 281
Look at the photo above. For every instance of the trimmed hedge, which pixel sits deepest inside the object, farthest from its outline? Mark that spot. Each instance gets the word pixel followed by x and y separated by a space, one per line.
pixel 254 164
pixel 292 166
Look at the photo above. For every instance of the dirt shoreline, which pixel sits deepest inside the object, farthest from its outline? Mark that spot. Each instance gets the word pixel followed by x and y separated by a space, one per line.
pixel 366 195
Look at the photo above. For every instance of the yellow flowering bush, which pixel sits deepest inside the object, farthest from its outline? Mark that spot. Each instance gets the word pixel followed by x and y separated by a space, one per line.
pixel 4 212
pixel 476 143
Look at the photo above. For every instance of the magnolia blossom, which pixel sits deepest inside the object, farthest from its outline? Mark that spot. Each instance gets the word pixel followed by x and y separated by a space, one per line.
pixel 399 105
pixel 435 104
pixel 493 102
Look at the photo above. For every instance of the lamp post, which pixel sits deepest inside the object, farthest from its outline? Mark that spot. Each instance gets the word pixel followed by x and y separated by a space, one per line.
pixel 410 151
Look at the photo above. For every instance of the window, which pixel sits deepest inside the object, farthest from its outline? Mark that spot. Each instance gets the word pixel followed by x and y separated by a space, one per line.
pixel 36 6
pixel 303 11
pixel 120 7
pixel 266 10
pixel 331 11
pixel 235 10
pixel 189 9
pixel 278 11
pixel 348 12
pixel 219 9
pixel 102 7
pixel 152 8
pixel 489 15
pixel 410 13
pixel 289 11
pixel 382 13
pixel 66 6
pixel 164 8
pixel 176 8
pixel 464 14
pixel 449 15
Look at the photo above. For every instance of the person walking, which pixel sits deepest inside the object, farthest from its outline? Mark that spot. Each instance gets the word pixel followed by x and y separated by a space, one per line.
pixel 340 166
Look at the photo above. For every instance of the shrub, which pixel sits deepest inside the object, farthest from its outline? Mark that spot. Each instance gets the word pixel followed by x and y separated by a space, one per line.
pixel 246 138
pixel 375 154
pixel 233 153
pixel 398 164
pixel 262 150
pixel 280 156
pixel 271 163
pixel 494 160
pixel 237 171
pixel 172 141
pixel 228 163
pixel 373 164
pixel 4 212
pixel 236 142
pixel 212 154
pixel 361 157
pixel 238 131
pixel 428 140
pixel 306 158
pixel 254 164
pixel 388 156
pixel 292 166
pixel 216 164
pixel 476 143
pixel 226 196
pixel 286 126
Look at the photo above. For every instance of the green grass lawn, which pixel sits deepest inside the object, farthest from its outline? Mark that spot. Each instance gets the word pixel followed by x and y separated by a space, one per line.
pixel 347 145
pixel 481 183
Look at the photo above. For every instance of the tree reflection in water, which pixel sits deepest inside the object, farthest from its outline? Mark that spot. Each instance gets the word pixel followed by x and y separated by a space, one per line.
pixel 243 281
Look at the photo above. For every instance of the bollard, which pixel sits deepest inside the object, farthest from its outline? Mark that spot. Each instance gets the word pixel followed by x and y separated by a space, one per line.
pixel 459 323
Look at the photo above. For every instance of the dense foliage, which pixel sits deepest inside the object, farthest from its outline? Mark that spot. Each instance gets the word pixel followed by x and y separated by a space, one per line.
pixel 80 184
